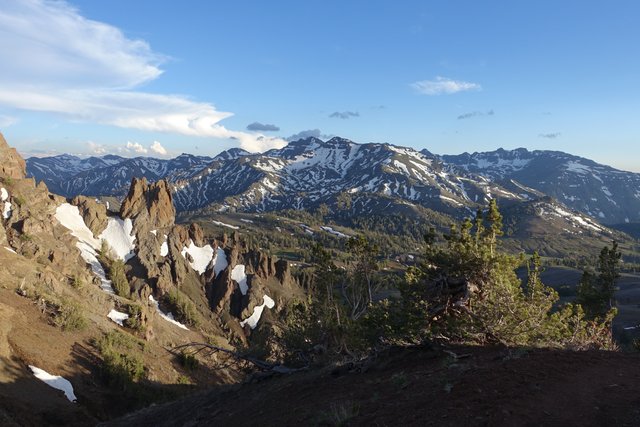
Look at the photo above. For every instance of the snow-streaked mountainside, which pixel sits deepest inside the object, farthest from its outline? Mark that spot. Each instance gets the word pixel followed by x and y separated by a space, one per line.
pixel 610 195
pixel 109 175
pixel 366 177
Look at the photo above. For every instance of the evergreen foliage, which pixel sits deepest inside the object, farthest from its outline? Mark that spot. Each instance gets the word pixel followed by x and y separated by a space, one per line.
pixel 596 291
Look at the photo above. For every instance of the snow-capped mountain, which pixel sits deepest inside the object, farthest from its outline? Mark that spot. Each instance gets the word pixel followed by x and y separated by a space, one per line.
pixel 309 172
pixel 109 175
pixel 364 177
pixel 611 195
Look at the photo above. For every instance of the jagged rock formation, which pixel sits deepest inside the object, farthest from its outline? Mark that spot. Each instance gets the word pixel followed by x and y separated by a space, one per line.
pixel 12 165
pixel 149 205
pixel 93 213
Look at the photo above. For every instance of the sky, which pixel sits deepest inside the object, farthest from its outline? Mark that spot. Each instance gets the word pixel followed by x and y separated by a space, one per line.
pixel 161 78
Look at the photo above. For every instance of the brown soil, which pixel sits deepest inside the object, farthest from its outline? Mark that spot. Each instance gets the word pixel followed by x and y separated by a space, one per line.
pixel 419 386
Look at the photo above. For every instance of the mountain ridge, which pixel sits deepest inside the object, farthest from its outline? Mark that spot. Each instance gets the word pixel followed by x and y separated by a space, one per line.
pixel 309 172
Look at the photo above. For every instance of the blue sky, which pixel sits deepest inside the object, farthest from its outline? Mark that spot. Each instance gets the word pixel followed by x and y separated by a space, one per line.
pixel 160 78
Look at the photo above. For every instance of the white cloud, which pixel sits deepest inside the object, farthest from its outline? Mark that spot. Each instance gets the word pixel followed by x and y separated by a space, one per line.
pixel 443 85
pixel 96 148
pixel 57 61
pixel 157 148
pixel 136 147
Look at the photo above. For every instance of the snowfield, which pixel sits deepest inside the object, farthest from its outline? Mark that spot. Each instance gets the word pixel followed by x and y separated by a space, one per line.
pixel 118 236
pixel 202 256
pixel 252 320
pixel 69 216
pixel 55 381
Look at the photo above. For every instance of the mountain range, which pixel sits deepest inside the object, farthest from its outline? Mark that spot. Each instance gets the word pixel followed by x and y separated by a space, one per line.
pixel 369 178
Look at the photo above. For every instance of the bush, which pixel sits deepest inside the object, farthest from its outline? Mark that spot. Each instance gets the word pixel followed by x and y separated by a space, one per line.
pixel 181 307
pixel 135 318
pixel 121 365
pixel 119 279
pixel 69 316
pixel 188 361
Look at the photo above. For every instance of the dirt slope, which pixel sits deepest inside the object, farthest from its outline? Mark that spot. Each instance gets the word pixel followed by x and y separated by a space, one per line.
pixel 490 387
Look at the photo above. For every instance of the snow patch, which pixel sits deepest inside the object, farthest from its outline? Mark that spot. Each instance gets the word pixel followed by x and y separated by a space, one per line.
pixel 118 316
pixel 118 236
pixel 164 247
pixel 154 232
pixel 166 316
pixel 220 261
pixel 240 277
pixel 252 320
pixel 225 225
pixel 202 256
pixel 332 231
pixel 10 250
pixel 55 381
pixel 4 197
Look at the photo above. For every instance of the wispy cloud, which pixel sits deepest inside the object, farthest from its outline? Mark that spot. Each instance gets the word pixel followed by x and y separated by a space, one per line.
pixel 443 85
pixel 6 121
pixel 553 135
pixel 261 127
pixel 97 149
pixel 344 114
pixel 475 114
pixel 315 133
pixel 57 61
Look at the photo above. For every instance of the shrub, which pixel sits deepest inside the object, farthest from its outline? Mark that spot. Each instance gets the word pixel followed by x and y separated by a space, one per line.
pixel 121 365
pixel 69 316
pixel 135 318
pixel 181 307
pixel 119 279
pixel 187 361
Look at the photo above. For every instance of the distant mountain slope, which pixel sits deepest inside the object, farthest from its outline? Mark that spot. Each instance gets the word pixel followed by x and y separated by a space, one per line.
pixel 108 175
pixel 370 178
pixel 611 195
pixel 309 172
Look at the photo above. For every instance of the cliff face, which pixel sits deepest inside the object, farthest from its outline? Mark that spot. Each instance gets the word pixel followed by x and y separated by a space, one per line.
pixel 12 165
pixel 149 205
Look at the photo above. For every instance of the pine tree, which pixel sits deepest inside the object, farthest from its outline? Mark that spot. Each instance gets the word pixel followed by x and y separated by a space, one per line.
pixel 596 293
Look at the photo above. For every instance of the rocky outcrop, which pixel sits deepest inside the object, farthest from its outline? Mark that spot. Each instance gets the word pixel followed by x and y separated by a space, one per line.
pixel 12 165
pixel 149 205
pixel 93 213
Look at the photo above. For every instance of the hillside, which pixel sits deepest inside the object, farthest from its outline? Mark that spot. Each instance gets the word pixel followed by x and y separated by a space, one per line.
pixel 426 387
pixel 101 299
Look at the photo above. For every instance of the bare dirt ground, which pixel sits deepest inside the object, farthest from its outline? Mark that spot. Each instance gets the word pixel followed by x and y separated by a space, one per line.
pixel 425 387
